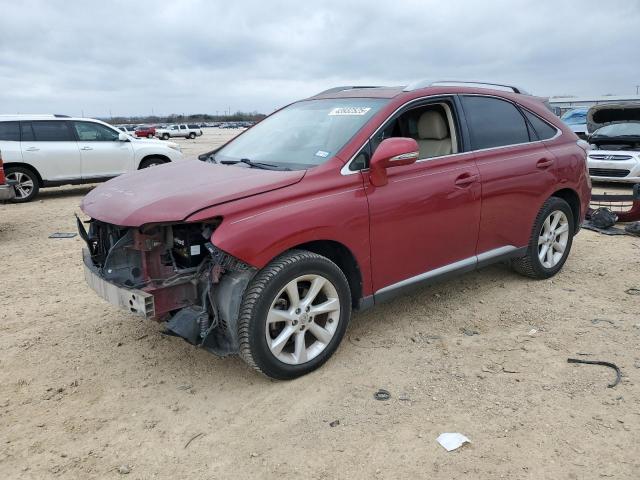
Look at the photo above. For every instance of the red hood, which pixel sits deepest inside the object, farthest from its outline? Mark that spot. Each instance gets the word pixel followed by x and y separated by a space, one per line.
pixel 172 192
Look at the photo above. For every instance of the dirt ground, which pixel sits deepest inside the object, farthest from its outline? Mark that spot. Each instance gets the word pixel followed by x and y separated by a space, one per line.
pixel 88 391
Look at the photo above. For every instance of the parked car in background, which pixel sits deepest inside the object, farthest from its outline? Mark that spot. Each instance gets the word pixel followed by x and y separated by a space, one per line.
pixel 334 203
pixel 179 130
pixel 577 121
pixel 7 191
pixel 615 142
pixel 51 150
pixel 146 131
pixel 129 130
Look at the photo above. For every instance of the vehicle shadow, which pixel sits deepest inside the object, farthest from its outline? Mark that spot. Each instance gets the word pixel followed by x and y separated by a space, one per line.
pixel 64 192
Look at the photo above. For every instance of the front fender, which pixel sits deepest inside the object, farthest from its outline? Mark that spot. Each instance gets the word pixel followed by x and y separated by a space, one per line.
pixel 258 229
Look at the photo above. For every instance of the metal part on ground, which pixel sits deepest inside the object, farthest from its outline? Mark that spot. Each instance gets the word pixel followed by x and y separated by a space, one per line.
pixel 599 362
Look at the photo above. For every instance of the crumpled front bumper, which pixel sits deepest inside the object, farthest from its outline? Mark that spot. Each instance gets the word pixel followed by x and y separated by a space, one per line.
pixel 133 300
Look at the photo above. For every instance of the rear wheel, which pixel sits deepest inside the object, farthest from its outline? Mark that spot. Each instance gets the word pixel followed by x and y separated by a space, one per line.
pixel 26 183
pixel 294 315
pixel 550 242
pixel 192 135
pixel 151 162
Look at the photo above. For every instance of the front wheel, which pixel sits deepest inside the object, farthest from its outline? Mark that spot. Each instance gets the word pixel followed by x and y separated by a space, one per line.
pixel 165 136
pixel 25 183
pixel 550 242
pixel 151 162
pixel 294 315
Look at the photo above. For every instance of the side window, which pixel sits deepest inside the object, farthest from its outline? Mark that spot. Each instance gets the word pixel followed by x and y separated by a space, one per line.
pixel 94 132
pixel 542 129
pixel 361 161
pixel 26 132
pixel 51 131
pixel 10 131
pixel 493 122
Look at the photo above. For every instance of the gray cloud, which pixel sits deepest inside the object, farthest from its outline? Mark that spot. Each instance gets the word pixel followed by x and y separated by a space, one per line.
pixel 201 56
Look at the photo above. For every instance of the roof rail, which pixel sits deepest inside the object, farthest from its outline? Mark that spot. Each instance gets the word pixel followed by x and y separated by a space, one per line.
pixel 462 83
pixel 347 87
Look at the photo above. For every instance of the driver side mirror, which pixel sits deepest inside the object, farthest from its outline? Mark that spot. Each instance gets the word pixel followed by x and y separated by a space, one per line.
pixel 392 152
pixel 123 137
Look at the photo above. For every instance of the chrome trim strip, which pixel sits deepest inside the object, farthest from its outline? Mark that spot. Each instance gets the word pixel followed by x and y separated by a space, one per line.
pixel 452 267
pixel 345 168
pixel 405 156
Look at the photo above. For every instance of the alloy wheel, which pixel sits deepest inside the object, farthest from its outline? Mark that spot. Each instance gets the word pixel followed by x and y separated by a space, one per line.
pixel 302 319
pixel 23 184
pixel 553 239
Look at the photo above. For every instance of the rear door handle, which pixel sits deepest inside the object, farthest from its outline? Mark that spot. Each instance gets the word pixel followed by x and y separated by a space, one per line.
pixel 466 179
pixel 31 149
pixel 86 148
pixel 544 163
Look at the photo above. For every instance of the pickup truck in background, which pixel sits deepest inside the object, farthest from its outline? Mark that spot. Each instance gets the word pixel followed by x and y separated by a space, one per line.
pixel 179 130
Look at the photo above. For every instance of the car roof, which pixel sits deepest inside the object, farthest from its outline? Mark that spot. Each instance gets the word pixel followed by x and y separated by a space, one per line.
pixel 42 116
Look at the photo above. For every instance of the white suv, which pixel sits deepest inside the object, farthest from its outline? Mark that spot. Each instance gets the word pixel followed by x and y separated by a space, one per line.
pixel 52 150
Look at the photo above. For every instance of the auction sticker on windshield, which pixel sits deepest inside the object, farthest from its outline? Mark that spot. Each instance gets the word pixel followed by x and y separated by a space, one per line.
pixel 349 111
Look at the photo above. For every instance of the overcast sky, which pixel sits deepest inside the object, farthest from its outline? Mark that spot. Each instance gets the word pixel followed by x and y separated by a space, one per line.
pixel 190 56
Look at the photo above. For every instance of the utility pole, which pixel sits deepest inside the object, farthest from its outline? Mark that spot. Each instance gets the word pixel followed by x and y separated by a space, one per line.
pixel 637 89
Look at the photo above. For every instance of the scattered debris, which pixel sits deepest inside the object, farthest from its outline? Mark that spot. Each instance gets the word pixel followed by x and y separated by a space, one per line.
pixel 598 362
pixel 184 387
pixel 595 321
pixel 469 332
pixel 632 291
pixel 532 332
pixel 607 231
pixel 403 397
pixel 633 228
pixel 451 441
pixel 335 423
pixel 382 394
pixel 63 235
pixel 603 218
pixel 197 435
pixel 142 336
pixel 124 469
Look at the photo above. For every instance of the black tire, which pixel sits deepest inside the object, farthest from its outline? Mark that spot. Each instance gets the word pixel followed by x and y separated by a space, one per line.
pixel 165 136
pixel 23 174
pixel 262 292
pixel 192 135
pixel 151 162
pixel 530 265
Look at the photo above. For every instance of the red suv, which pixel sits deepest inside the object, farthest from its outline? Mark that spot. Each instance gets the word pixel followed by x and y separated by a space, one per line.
pixel 332 204
pixel 145 131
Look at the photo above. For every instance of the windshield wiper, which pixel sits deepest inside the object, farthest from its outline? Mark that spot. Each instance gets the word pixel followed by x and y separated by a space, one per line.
pixel 252 164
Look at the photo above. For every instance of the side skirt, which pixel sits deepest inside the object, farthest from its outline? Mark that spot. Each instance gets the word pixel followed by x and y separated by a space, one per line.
pixel 447 271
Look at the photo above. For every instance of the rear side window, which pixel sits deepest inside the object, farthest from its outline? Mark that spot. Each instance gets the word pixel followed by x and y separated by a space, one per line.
pixel 542 129
pixel 493 122
pixel 10 131
pixel 94 132
pixel 51 131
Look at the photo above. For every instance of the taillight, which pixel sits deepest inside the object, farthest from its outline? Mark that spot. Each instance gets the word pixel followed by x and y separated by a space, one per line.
pixel 586 147
pixel 2 179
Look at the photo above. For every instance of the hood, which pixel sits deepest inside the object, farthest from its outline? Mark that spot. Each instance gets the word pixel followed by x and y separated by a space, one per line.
pixel 172 192
pixel 600 115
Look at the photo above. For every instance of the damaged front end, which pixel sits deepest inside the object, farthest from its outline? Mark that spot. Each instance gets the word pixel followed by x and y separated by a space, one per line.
pixel 169 273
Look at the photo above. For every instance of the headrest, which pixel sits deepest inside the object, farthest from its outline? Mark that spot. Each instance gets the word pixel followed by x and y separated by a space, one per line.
pixel 432 126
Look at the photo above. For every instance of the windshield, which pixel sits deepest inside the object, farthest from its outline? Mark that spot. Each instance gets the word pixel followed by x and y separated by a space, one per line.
pixel 575 117
pixel 304 134
pixel 631 129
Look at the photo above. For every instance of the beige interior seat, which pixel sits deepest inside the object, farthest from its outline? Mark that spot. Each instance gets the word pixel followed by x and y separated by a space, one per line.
pixel 433 135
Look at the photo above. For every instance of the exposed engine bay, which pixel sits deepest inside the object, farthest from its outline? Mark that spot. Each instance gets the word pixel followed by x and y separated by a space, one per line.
pixel 185 280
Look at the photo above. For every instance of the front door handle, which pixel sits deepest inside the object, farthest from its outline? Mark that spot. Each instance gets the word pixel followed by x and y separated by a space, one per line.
pixel 86 148
pixel 466 179
pixel 32 149
pixel 544 163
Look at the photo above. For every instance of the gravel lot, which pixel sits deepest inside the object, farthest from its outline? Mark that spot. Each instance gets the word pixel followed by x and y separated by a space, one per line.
pixel 88 391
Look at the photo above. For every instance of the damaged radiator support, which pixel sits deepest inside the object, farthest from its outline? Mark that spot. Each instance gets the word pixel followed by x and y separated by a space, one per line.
pixel 186 281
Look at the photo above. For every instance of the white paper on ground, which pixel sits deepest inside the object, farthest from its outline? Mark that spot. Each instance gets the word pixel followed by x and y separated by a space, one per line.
pixel 451 441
